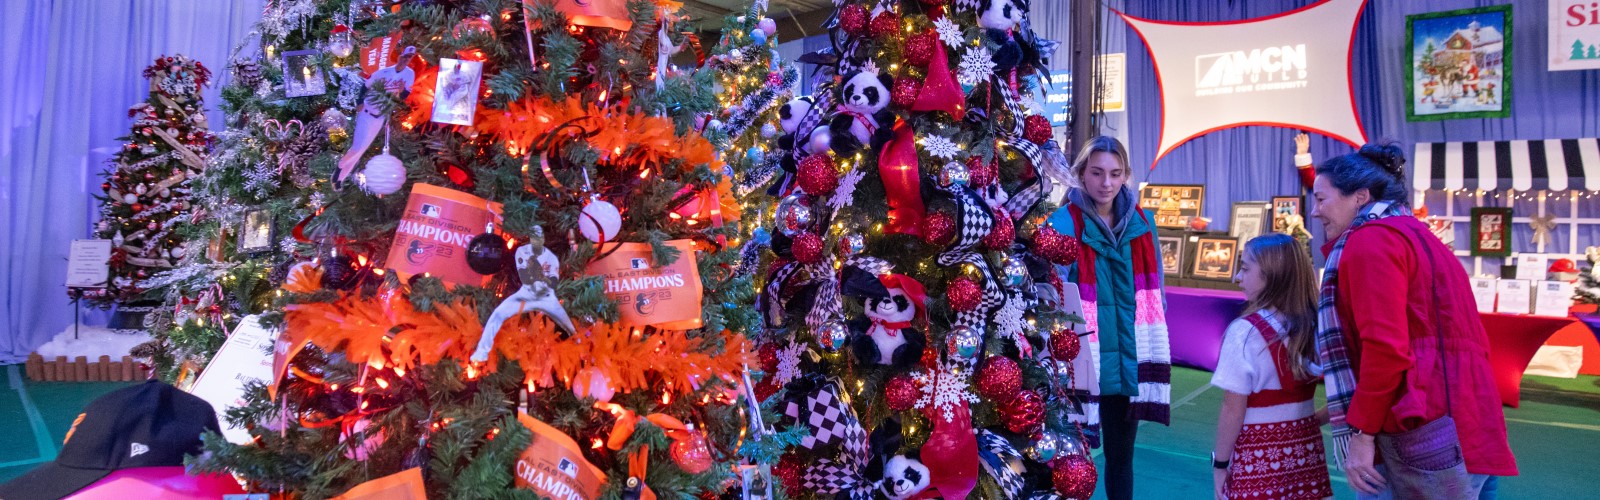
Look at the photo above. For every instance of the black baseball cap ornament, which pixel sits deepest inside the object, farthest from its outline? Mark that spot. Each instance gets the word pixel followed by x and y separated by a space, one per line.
pixel 152 424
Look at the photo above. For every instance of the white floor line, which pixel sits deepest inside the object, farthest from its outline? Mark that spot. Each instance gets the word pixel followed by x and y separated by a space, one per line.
pixel 1566 425
pixel 41 434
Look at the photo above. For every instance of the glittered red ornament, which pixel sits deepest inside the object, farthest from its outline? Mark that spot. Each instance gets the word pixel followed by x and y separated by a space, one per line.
pixel 1064 345
pixel 788 472
pixel 1000 380
pixel 137 207
pixel 1036 129
pixel 933 3
pixel 964 294
pixel 1055 247
pixel 817 175
pixel 938 228
pixel 980 174
pixel 807 248
pixel 1073 476
pixel 105 186
pixel 901 392
pixel 904 93
pixel 768 355
pixel 920 49
pixel 930 358
pixel 853 19
pixel 1002 234
pixel 765 389
pixel 1024 414
pixel 885 24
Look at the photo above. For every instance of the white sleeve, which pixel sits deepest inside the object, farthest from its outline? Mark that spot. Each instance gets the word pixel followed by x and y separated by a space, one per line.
pixel 1236 372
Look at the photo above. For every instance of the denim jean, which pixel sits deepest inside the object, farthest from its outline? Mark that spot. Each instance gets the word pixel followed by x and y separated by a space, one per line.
pixel 1484 487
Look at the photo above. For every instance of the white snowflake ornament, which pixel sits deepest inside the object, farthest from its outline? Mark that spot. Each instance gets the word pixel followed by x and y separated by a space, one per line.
pixel 844 195
pixel 788 363
pixel 940 146
pixel 949 33
pixel 945 389
pixel 977 65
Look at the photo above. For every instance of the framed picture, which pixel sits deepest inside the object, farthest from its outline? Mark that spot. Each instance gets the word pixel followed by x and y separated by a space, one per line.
pixel 1248 219
pixel 1172 247
pixel 257 234
pixel 1285 209
pixel 1458 64
pixel 1214 258
pixel 456 91
pixel 1444 228
pixel 301 74
pixel 1491 232
pixel 1173 204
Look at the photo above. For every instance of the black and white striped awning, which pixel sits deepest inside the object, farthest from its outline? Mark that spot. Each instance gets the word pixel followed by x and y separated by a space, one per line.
pixel 1551 164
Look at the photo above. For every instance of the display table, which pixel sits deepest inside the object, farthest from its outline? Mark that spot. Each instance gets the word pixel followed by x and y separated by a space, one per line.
pixel 158 482
pixel 1196 320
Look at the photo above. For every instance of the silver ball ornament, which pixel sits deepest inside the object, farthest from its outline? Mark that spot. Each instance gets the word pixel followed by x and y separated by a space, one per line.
pixel 1014 271
pixel 954 173
pixel 964 341
pixel 1045 449
pixel 851 244
pixel 793 215
pixel 832 336
pixel 768 130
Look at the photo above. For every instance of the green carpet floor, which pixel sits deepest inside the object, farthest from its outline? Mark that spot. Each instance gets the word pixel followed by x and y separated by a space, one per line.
pixel 1555 435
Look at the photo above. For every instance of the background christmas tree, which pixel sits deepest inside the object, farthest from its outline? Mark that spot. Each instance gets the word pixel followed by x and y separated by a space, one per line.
pixel 609 130
pixel 147 205
pixel 910 294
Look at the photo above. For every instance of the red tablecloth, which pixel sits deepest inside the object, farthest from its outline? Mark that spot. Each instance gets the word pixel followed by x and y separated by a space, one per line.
pixel 1197 318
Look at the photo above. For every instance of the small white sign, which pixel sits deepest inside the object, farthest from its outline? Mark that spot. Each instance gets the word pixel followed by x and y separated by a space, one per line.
pixel 246 356
pixel 1483 290
pixel 455 93
pixel 1532 266
pixel 1516 297
pixel 1553 298
pixel 1114 81
pixel 89 264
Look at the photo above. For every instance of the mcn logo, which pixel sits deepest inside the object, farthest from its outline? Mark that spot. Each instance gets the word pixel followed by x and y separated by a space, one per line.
pixel 1235 72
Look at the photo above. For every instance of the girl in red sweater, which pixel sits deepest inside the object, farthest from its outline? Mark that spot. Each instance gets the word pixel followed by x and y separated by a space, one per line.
pixel 1269 438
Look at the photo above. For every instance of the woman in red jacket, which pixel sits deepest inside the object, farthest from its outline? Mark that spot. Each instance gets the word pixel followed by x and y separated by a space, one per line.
pixel 1400 342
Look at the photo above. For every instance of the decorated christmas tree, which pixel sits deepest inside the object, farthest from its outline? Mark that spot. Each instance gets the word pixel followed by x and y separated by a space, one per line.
pixel 492 236
pixel 915 326
pixel 147 208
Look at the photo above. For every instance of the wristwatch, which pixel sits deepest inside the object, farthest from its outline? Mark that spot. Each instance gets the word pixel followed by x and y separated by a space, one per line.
pixel 1218 464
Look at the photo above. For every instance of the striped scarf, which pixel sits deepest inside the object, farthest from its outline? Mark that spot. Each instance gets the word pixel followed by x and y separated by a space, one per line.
pixel 1337 373
pixel 1152 347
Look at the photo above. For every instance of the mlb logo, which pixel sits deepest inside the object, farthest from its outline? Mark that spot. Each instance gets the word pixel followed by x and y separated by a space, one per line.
pixel 567 467
pixel 638 264
pixel 430 210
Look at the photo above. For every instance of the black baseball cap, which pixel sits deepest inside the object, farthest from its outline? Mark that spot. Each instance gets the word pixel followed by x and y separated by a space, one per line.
pixel 152 424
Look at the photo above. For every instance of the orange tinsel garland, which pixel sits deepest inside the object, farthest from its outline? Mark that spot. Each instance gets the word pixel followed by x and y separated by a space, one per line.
pixel 363 327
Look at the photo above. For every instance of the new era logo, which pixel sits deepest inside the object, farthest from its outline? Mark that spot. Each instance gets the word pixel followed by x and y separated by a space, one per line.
pixel 138 449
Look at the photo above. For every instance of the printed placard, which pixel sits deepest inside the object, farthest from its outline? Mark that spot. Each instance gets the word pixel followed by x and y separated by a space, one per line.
pixel 243 358
pixel 434 231
pixel 667 296
pixel 89 264
pixel 455 92
pixel 553 466
pixel 1574 30
pixel 1514 297
pixel 1483 291
pixel 1531 266
pixel 1553 298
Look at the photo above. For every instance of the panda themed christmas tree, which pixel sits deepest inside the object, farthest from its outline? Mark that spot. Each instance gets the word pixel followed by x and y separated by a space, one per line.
pixel 146 202
pixel 914 329
pixel 502 236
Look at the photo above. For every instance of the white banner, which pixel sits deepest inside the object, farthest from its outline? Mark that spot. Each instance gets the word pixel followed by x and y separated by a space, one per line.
pixel 1287 70
pixel 1574 35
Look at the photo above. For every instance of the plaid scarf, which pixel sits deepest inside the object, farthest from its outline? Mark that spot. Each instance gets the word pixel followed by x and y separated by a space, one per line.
pixel 1337 373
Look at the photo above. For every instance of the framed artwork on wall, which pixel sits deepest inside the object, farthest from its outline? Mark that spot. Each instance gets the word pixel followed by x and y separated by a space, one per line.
pixel 1215 258
pixel 1173 204
pixel 1491 232
pixel 1248 219
pixel 1458 64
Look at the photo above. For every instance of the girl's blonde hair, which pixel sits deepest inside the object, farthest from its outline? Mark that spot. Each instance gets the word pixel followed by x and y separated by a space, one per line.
pixel 1291 291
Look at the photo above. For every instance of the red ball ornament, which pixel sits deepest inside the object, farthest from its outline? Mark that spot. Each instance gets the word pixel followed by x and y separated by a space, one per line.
pixel 765 389
pixel 1024 414
pixel 901 392
pixel 1036 129
pixel 1000 380
pixel 768 355
pixel 1064 345
pixel 807 248
pixel 904 93
pixel 930 358
pixel 1055 247
pixel 817 175
pixel 788 471
pixel 938 228
pixel 980 174
pixel 853 19
pixel 105 186
pixel 1002 234
pixel 1073 476
pixel 964 294
pixel 137 207
pixel 933 3
pixel 885 24
pixel 920 49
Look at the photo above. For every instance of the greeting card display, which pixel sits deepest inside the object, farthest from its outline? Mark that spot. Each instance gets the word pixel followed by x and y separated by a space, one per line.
pixel 1491 232
pixel 650 295
pixel 1173 204
pixel 434 232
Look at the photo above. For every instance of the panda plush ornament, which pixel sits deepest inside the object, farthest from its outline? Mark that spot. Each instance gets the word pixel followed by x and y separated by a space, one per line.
pixel 1000 19
pixel 863 116
pixel 896 476
pixel 889 335
pixel 789 118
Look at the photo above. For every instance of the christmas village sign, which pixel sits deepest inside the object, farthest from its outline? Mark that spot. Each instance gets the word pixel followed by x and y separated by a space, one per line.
pixel 1287 70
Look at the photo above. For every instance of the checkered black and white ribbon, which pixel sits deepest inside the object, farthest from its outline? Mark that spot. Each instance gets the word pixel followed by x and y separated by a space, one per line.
pixel 837 478
pixel 772 300
pixel 976 222
pixel 1025 198
pixel 828 306
pixel 824 98
pixel 1013 104
pixel 1002 462
pixel 967 5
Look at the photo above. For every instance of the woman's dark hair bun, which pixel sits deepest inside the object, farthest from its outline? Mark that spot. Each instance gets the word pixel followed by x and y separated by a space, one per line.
pixel 1387 155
